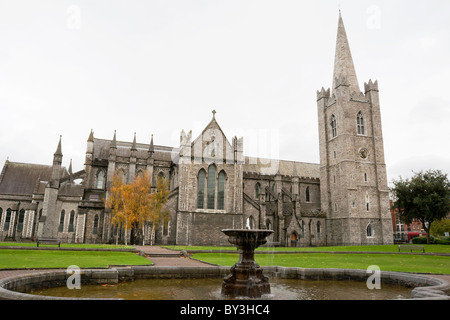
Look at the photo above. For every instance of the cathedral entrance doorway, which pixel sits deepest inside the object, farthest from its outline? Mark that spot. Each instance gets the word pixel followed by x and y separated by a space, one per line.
pixel 293 240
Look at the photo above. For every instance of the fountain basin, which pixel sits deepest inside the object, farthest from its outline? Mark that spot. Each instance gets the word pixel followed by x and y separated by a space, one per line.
pixel 246 277
pixel 18 288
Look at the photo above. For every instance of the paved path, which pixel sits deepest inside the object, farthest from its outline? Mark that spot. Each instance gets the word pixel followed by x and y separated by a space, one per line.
pixel 169 258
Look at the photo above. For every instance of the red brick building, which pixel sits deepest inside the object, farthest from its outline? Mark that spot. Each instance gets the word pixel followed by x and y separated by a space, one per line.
pixel 405 232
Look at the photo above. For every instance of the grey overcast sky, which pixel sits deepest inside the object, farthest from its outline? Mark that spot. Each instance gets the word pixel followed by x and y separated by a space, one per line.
pixel 160 66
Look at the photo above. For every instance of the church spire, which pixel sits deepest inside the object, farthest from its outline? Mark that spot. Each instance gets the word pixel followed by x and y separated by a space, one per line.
pixel 58 149
pixel 344 69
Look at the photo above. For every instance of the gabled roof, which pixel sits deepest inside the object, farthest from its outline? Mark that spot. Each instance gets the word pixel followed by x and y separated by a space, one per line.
pixel 213 126
pixel 282 167
pixel 212 132
pixel 22 178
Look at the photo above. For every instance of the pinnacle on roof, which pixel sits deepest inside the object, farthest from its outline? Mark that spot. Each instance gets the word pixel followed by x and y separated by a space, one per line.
pixel 70 167
pixel 133 146
pixel 91 136
pixel 114 141
pixel 151 147
pixel 343 63
pixel 58 149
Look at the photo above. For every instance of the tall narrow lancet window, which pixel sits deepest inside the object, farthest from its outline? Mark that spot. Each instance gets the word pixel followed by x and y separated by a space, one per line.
pixel 307 195
pixel 333 126
pixel 100 178
pixel 7 220
pixel 221 191
pixel 360 123
pixel 201 189
pixel 211 195
pixel 369 231
pixel 71 221
pixel 95 229
pixel 61 221
pixel 21 217
pixel 318 229
pixel 257 190
pixel 367 202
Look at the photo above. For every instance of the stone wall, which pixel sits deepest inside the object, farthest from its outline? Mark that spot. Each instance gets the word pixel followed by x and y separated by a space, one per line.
pixel 202 228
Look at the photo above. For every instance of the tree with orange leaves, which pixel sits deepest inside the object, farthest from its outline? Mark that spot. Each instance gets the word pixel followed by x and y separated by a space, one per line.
pixel 142 199
pixel 135 203
pixel 120 202
pixel 159 213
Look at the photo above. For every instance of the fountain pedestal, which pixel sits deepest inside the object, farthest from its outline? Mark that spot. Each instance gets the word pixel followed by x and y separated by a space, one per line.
pixel 246 278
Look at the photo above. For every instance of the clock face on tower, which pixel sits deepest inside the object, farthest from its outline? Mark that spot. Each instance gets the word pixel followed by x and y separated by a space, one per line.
pixel 363 153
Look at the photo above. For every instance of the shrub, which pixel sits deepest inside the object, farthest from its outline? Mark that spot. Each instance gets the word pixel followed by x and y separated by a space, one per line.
pixel 423 240
pixel 443 240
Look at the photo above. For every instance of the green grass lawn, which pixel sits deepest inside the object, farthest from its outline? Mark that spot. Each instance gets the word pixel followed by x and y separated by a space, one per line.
pixel 65 245
pixel 432 248
pixel 386 262
pixel 10 259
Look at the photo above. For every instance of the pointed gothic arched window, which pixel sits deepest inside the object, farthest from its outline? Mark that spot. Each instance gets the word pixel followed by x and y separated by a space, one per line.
pixel 221 191
pixel 95 229
pixel 100 179
pixel 307 195
pixel 333 126
pixel 201 189
pixel 257 190
pixel 369 231
pixel 7 220
pixel 318 227
pixel 61 221
pixel 211 192
pixel 71 221
pixel 360 123
pixel 20 223
pixel 367 202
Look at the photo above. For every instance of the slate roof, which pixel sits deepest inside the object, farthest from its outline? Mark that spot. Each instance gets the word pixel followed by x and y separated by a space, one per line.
pixel 22 178
pixel 102 146
pixel 71 189
pixel 283 167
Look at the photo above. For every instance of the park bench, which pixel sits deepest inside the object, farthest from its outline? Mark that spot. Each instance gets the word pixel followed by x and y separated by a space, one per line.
pixel 411 248
pixel 48 241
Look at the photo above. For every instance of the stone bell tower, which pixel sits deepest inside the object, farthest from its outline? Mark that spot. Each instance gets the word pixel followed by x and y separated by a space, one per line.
pixel 353 180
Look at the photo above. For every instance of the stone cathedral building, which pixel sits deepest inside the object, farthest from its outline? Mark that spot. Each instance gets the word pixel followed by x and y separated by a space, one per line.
pixel 214 186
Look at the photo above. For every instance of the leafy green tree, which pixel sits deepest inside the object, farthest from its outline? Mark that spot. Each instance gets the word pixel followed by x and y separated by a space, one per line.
pixel 425 196
pixel 440 227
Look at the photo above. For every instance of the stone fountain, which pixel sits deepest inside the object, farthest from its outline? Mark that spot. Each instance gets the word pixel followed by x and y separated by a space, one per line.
pixel 246 278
